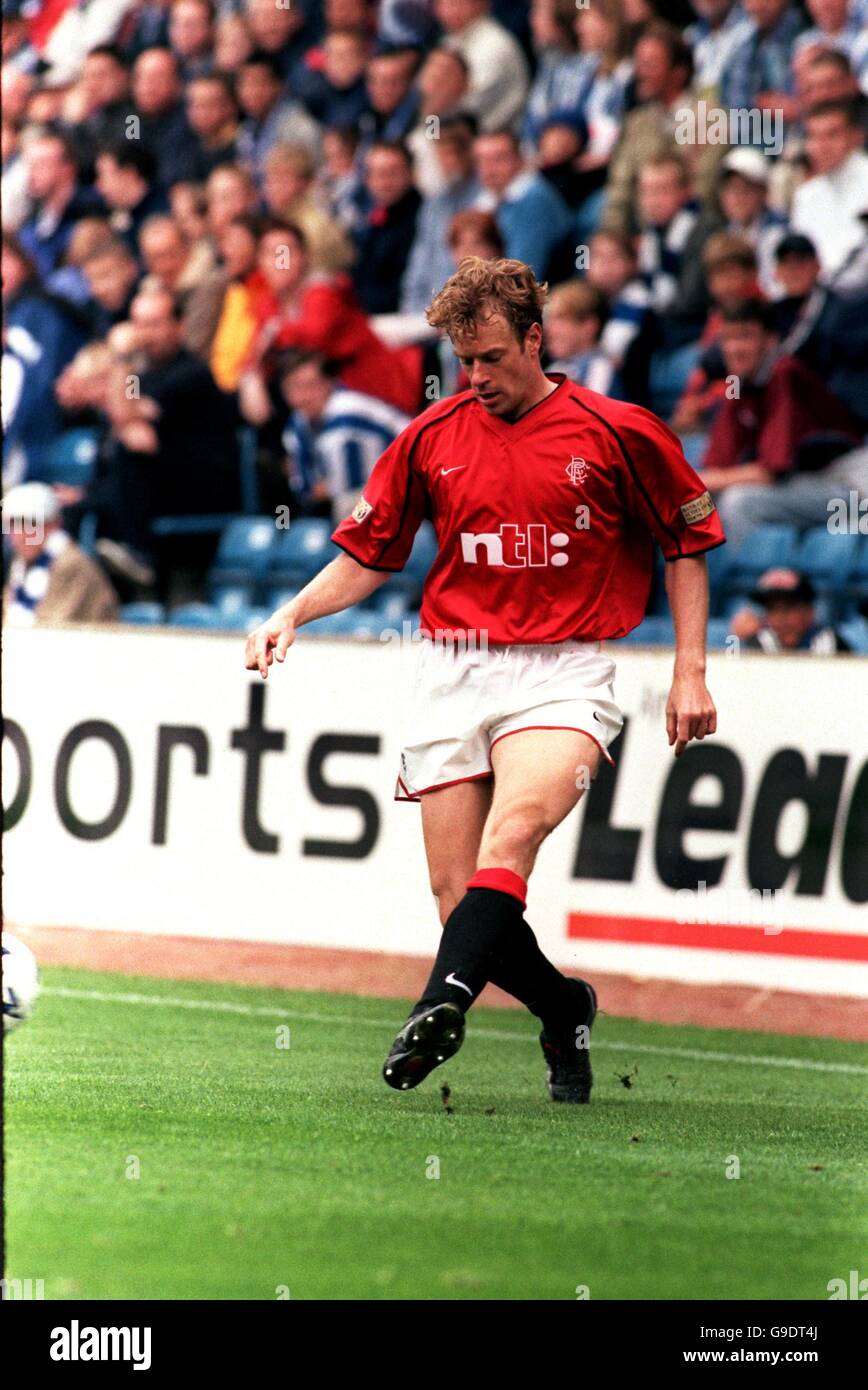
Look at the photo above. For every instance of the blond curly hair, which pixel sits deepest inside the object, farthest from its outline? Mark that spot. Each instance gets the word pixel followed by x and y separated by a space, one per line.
pixel 480 289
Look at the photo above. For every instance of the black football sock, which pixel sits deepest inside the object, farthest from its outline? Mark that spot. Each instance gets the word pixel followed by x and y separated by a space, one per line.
pixel 524 972
pixel 473 937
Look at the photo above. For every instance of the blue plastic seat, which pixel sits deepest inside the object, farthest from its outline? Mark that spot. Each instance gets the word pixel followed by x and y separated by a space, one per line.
pixel 200 615
pixel 856 633
pixel 243 552
pixel 232 599
pixel 143 613
pixel 718 634
pixel 762 549
pixel 826 557
pixel 389 602
pixel 71 458
pixel 300 551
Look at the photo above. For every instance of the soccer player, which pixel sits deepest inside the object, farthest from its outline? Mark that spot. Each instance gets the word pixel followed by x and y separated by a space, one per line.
pixel 546 499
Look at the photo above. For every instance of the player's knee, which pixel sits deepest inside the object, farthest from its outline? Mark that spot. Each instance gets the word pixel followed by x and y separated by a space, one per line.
pixel 516 829
pixel 447 893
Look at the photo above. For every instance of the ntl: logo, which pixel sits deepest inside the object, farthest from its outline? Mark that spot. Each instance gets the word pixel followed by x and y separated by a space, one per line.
pixel 515 547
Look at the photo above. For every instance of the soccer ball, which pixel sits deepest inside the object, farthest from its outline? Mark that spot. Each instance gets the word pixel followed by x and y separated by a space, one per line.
pixel 20 981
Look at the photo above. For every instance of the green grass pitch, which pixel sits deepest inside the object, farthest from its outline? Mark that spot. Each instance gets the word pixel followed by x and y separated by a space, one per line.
pixel 267 1171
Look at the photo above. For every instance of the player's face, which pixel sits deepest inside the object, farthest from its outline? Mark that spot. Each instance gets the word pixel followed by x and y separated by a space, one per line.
pixel 501 370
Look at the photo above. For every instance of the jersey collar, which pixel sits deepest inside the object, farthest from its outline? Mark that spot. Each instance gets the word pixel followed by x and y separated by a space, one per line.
pixel 531 418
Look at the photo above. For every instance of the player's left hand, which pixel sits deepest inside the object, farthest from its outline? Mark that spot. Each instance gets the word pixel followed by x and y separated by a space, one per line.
pixel 690 712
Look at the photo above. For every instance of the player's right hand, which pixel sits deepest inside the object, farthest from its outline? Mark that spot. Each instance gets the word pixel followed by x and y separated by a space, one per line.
pixel 271 640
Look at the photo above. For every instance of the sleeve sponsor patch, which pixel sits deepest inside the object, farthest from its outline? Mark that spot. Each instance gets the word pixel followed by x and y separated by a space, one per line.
pixel 698 509
pixel 364 508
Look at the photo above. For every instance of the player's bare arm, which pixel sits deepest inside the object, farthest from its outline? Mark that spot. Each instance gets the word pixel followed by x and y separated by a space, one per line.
pixel 340 585
pixel 690 711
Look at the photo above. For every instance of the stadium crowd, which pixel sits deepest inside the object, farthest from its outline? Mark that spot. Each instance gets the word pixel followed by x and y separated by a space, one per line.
pixel 223 221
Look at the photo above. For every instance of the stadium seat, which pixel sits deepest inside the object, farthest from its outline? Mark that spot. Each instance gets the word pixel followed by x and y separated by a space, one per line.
pixel 300 551
pixel 276 598
pixel 202 615
pixel 421 557
pixel 718 634
pixel 653 631
pixel 231 599
pixel 334 624
pixel 827 558
pixel 762 549
pixel 144 613
pixel 390 602
pixel 70 459
pixel 243 552
pixel 855 631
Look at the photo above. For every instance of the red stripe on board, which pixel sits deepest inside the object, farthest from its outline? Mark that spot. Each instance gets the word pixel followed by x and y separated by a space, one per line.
pixel 713 936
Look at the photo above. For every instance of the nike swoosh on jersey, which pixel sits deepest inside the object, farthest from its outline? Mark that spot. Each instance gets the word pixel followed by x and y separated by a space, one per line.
pixel 444 471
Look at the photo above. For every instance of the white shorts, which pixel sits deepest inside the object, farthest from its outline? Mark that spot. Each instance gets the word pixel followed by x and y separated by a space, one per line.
pixel 463 702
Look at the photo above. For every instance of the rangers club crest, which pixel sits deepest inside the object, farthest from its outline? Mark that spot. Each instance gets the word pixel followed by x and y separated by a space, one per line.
pixel 576 470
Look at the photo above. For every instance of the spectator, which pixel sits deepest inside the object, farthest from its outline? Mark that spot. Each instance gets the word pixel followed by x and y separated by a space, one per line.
pixel 759 72
pixel 339 182
pixel 287 191
pixel 322 314
pixel 430 262
pixel 533 218
pixel 574 319
pixel 473 233
pixel 52 182
pixel 242 304
pixel 613 269
pixel 163 127
pixel 806 308
pixel 744 183
pixel 104 95
pixel 384 240
pixel 392 99
pixel 111 272
pixel 172 263
pixel 336 94
pixel 607 72
pixel 191 36
pixel 51 579
pixel 670 246
pixel 69 281
pixel 730 267
pixel 498 68
pixel 231 193
pixel 189 206
pixel 333 436
pixel 233 43
pixel 178 434
pixel 762 435
pixel 561 70
pixel 721 26
pixel 790 622
pixel 269 117
pixel 664 70
pixel 442 88
pixel 281 32
pixel 213 118
pixel 40 337
pixel 127 182
pixel 836 26
pixel 828 205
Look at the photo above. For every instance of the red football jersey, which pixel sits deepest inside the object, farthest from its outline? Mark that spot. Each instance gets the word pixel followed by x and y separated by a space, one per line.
pixel 546 525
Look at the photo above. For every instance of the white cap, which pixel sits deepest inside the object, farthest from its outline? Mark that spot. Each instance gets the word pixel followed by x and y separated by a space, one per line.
pixel 749 163
pixel 33 502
